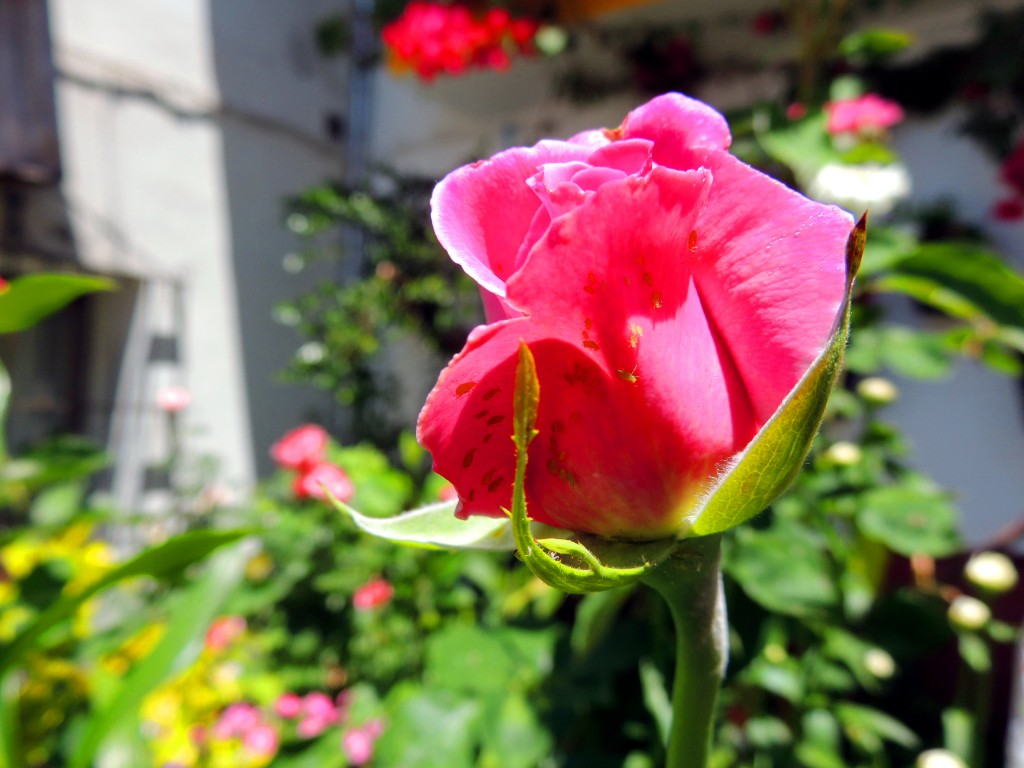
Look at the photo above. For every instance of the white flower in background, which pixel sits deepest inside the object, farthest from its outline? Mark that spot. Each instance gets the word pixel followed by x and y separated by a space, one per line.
pixel 311 352
pixel 877 391
pixel 880 663
pixel 872 187
pixel 969 612
pixel 939 758
pixel 992 571
pixel 844 453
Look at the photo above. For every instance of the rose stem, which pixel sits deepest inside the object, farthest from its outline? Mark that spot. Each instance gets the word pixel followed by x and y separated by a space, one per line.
pixel 690 582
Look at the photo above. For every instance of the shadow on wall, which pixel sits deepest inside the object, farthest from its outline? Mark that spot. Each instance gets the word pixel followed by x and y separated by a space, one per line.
pixel 280 124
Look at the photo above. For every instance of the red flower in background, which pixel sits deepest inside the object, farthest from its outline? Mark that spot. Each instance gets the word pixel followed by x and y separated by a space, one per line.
pixel 300 449
pixel 311 484
pixel 373 594
pixel 671 295
pixel 1012 173
pixel 433 39
pixel 869 113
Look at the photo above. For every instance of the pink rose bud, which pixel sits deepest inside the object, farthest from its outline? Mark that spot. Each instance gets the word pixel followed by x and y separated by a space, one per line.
pixel 301 448
pixel 312 483
pixel 173 399
pixel 373 594
pixel 288 705
pixel 671 296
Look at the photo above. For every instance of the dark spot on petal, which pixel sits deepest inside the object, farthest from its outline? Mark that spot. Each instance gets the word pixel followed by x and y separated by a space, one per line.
pixel 495 484
pixel 495 420
pixel 552 466
pixel 491 393
pixel 481 414
pixel 463 389
pixel 656 300
pixel 472 494
pixel 647 278
pixel 590 344
pixel 468 458
pixel 487 476
pixel 588 323
pixel 487 437
pixel 693 240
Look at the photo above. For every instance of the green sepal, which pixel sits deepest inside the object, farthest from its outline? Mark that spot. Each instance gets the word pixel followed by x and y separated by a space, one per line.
pixel 772 460
pixel 584 563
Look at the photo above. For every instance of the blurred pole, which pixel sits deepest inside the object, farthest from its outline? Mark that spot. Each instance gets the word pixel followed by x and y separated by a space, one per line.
pixel 360 115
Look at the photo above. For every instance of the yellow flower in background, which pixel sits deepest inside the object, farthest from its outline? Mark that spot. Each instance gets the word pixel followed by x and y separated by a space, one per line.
pixel 20 557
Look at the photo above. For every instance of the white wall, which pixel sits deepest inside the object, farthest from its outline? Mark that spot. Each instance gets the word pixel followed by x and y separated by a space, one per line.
pixel 183 125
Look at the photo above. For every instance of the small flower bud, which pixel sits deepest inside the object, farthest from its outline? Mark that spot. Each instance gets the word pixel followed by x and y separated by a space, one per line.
pixel 991 571
pixel 969 612
pixel 939 758
pixel 877 391
pixel 879 663
pixel 844 454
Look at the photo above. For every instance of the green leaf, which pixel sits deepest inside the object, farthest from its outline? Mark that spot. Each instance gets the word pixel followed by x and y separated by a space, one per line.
pixel 803 146
pixel 158 562
pixel 435 525
pixel 975 652
pixel 782 569
pixel 656 698
pixel 194 608
pixel 874 43
pixel 868 727
pixel 10 722
pixel 595 615
pixel 473 660
pixel 772 460
pixel 971 273
pixel 428 728
pixel 513 736
pixel 909 520
pixel 30 298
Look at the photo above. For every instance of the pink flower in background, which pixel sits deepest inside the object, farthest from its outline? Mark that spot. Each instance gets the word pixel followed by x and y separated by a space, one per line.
pixel 312 482
pixel 223 631
pixel 373 594
pixel 300 449
pixel 288 705
pixel 261 740
pixel 319 713
pixel 671 295
pixel 237 720
pixel 358 743
pixel 173 399
pixel 869 113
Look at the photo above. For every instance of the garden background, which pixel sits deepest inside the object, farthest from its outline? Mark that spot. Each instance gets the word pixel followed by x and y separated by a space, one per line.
pixel 253 177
